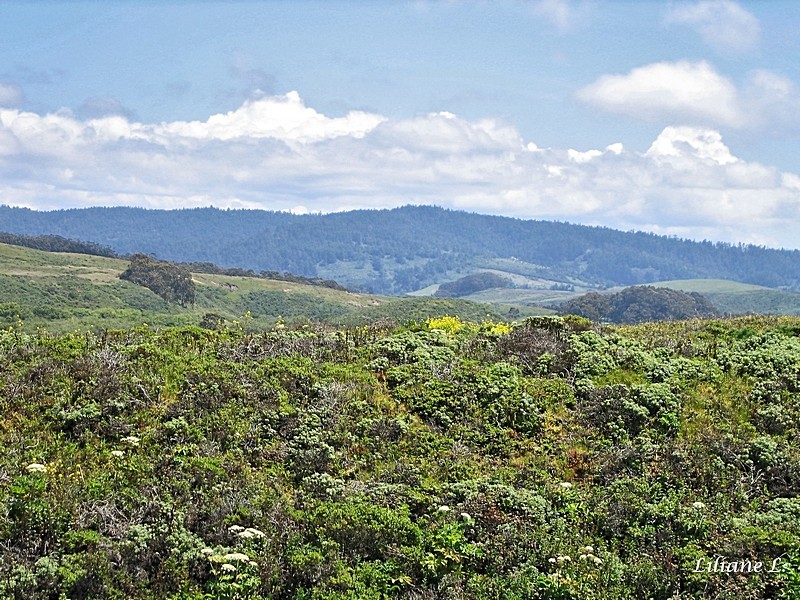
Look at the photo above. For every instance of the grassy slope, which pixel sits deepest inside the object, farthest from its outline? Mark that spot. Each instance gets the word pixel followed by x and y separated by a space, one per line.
pixel 74 291
pixel 63 292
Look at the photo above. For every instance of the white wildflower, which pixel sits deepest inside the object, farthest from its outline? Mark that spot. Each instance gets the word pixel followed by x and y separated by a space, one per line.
pixel 36 468
pixel 565 484
pixel 466 516
pixel 251 532
pixel 698 505
pixel 237 556
pixel 117 453
pixel 444 508
pixel 588 549
pixel 235 528
pixel 228 567
pixel 598 561
pixel 551 560
pixel 132 440
pixel 206 551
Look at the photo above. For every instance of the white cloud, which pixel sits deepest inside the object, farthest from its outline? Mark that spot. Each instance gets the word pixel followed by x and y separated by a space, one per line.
pixel 694 92
pixel 281 117
pixel 723 24
pixel 680 142
pixel 688 183
pixel 444 132
pixel 583 157
pixel 675 91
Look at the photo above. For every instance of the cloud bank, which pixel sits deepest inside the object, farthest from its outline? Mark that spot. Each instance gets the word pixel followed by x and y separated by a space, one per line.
pixel 277 153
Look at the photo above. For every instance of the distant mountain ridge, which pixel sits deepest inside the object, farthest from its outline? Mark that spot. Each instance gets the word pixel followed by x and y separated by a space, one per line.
pixel 405 249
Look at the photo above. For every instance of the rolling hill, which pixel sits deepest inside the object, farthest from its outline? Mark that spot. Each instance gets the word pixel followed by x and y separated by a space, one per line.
pixel 67 291
pixel 411 248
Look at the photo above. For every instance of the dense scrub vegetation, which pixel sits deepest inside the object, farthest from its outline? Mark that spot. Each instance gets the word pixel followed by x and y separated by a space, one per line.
pixel 639 304
pixel 402 250
pixel 444 459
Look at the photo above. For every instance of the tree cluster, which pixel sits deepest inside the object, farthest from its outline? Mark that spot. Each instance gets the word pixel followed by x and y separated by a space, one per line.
pixel 639 304
pixel 476 282
pixel 170 281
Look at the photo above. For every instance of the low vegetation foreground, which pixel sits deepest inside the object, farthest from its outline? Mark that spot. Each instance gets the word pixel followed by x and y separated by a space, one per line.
pixel 444 459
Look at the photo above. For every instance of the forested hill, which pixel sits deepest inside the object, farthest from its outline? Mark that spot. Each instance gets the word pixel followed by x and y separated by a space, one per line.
pixel 401 250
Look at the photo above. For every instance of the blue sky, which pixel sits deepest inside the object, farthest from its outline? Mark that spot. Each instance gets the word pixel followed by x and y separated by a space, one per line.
pixel 680 118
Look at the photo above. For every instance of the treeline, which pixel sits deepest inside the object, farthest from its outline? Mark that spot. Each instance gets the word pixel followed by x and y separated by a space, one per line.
pixel 401 250
pixel 205 267
pixel 56 243
pixel 639 304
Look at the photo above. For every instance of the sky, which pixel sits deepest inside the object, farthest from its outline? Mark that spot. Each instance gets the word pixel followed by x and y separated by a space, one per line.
pixel 678 118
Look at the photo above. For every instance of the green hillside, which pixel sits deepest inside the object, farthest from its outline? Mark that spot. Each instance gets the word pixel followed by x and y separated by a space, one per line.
pixel 64 291
pixel 410 248
pixel 549 460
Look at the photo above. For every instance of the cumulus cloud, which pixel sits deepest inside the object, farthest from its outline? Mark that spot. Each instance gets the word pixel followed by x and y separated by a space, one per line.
pixel 277 153
pixel 680 142
pixel 675 91
pixel 723 24
pixel 280 117
pixel 695 92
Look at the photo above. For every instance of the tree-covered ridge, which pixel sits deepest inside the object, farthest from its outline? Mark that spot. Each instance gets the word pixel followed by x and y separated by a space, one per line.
pixel 640 304
pixel 552 459
pixel 56 243
pixel 401 250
